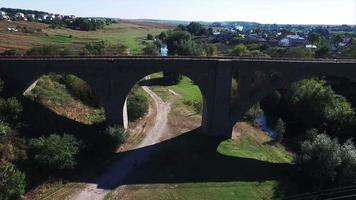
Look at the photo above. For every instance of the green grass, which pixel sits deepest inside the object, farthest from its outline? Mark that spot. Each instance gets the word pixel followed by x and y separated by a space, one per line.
pixel 189 93
pixel 128 33
pixel 249 147
pixel 194 171
pixel 60 39
pixel 207 191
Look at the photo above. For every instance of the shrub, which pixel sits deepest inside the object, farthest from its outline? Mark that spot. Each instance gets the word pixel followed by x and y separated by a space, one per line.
pixel 150 37
pixel 151 49
pixel 280 129
pixel 324 162
pixel 107 141
pixel 239 50
pixel 10 109
pixel 81 90
pixel 48 51
pixel 12 182
pixel 137 105
pixel 12 52
pixel 253 113
pixel 54 152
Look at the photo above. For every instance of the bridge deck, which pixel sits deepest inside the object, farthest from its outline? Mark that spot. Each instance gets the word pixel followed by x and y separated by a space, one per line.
pixel 111 58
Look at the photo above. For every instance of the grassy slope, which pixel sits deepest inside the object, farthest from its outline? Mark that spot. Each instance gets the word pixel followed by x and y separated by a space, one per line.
pixel 128 33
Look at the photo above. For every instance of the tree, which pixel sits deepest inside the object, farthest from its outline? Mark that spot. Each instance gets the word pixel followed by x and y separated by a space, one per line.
pixel 298 52
pixel 54 152
pixel 151 49
pixel 239 50
pixel 150 37
pixel 137 105
pixel 196 29
pixel 10 109
pixel 253 113
pixel 315 39
pixel 12 182
pixel 12 52
pixel 324 162
pixel 174 41
pixel 280 129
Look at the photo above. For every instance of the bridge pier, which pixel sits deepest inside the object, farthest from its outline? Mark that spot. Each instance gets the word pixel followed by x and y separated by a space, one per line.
pixel 217 121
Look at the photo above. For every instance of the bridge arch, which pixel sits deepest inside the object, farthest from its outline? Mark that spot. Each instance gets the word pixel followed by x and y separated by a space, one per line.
pixel 262 83
pixel 122 92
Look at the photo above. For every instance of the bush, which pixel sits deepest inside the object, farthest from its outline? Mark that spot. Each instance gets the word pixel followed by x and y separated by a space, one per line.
pixel 253 113
pixel 12 182
pixel 48 51
pixel 150 37
pixel 324 162
pixel 239 50
pixel 97 48
pixel 81 90
pixel 117 134
pixel 151 49
pixel 137 105
pixel 12 52
pixel 10 109
pixel 54 152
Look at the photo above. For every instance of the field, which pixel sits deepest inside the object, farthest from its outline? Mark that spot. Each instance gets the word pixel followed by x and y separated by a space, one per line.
pixel 191 169
pixel 128 33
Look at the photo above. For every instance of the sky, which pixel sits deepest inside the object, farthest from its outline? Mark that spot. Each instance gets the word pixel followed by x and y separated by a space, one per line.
pixel 262 11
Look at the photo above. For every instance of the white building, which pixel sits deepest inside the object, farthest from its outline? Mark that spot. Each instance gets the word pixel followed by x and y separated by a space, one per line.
pixel 20 16
pixel 4 16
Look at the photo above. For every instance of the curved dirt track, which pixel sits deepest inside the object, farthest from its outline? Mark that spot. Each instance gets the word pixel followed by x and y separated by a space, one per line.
pixel 120 169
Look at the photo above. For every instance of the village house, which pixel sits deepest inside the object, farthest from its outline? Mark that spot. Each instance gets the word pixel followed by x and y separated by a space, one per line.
pixel 20 16
pixel 4 16
pixel 292 41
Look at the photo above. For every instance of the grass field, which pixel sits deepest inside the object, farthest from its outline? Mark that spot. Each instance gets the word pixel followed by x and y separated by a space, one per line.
pixel 189 94
pixel 128 33
pixel 191 169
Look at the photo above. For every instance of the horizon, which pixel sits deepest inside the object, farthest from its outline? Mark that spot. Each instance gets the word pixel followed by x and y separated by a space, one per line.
pixel 303 12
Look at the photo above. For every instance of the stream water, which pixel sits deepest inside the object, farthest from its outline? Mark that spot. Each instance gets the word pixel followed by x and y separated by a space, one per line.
pixel 262 121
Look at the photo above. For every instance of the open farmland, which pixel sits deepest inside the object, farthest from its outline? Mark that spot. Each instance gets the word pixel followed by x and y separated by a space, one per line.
pixel 127 33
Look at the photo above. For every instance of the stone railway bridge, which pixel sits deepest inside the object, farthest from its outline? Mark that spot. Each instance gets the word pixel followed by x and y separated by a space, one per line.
pixel 112 78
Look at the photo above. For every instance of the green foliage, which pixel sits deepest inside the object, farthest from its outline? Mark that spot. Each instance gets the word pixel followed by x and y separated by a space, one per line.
pixel 150 37
pixel 49 88
pixel 326 111
pixel 239 50
pixel 280 129
pixel 54 152
pixel 80 90
pixel 324 162
pixel 196 29
pixel 12 182
pixel 48 51
pixel 137 104
pixel 10 109
pixel 298 53
pixel 253 113
pixel 12 52
pixel 117 134
pixel 151 49
pixel 84 24
pixel 315 39
pixel 97 48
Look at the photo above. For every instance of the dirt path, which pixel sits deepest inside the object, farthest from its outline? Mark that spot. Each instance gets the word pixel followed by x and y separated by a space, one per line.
pixel 120 169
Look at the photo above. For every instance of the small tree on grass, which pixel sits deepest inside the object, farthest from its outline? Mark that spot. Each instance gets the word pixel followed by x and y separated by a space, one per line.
pixel 280 129
pixel 12 182
pixel 54 152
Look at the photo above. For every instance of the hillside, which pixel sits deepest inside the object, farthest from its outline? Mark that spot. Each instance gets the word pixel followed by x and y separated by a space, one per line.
pixel 29 34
